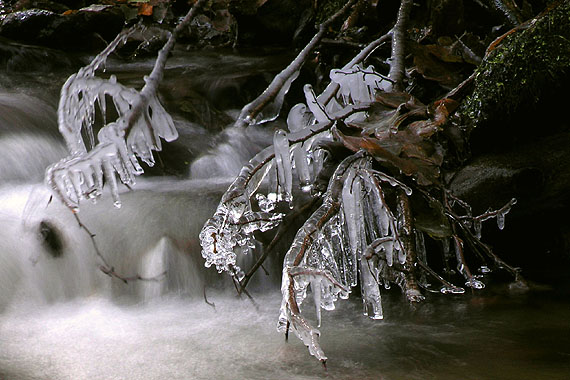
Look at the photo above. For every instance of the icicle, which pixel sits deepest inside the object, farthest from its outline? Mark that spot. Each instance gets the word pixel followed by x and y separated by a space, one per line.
pixel 316 288
pixel 352 215
pixel 370 291
pixel 316 108
pixel 283 164
pixel 401 252
pixel 501 220
pixel 389 251
pixel 300 157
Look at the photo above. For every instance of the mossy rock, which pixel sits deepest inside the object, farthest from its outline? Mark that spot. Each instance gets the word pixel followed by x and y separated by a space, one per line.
pixel 524 66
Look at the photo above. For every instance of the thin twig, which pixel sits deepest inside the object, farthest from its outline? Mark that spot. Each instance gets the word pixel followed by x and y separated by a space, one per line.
pixel 208 302
pixel 108 269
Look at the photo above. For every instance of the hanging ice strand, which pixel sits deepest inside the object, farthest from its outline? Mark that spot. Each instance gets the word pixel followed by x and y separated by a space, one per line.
pixel 141 123
pixel 283 165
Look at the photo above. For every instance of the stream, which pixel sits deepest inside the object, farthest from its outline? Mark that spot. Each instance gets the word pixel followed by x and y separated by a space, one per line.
pixel 61 318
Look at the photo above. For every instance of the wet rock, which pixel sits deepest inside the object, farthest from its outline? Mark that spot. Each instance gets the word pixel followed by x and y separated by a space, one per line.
pixel 88 29
pixel 537 173
pixel 16 57
pixel 537 229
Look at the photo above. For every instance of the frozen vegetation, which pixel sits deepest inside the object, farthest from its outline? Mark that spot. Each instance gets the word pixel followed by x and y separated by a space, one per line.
pixel 362 233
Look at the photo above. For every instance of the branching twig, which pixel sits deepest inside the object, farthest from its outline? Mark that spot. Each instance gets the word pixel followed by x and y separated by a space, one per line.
pixel 108 269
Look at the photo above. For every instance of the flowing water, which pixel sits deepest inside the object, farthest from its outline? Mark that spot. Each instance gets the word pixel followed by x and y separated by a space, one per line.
pixel 61 318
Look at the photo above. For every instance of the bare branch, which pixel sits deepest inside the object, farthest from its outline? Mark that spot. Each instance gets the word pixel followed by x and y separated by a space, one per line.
pixel 397 68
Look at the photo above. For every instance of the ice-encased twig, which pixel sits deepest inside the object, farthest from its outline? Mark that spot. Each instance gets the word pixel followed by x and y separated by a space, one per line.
pixel 142 122
pixel 314 250
pixel 76 111
pixel 290 313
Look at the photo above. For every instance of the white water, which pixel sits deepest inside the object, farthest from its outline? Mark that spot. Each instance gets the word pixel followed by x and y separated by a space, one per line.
pixel 61 318
pixel 473 338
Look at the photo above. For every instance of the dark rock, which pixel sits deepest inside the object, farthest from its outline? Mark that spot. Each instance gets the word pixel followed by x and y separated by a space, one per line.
pixel 266 23
pixel 16 57
pixel 88 29
pixel 537 228
pixel 447 17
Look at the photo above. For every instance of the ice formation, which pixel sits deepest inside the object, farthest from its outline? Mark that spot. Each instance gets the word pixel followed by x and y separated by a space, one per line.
pixel 353 237
pixel 142 121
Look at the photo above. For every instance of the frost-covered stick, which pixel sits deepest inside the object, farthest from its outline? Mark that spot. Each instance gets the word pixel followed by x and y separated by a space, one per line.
pixel 502 211
pixel 397 68
pixel 251 110
pixel 413 293
pixel 153 80
pixel 477 243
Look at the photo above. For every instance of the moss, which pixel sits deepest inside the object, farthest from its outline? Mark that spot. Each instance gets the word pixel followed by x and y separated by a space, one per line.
pixel 520 68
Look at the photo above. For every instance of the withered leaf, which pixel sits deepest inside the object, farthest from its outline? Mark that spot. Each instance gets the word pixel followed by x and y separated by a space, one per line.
pixel 432 67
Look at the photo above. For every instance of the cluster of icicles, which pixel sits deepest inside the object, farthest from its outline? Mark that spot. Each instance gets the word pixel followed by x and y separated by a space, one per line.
pixel 351 237
pixel 142 122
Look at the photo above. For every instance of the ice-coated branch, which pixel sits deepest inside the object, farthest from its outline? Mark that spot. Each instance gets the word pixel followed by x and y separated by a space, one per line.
pixel 332 88
pixel 142 122
pixel 73 112
pixel 150 88
pixel 397 68
pixel 282 81
pixel 353 238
